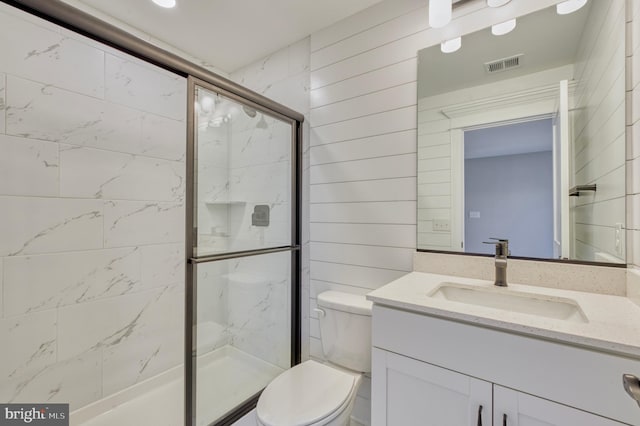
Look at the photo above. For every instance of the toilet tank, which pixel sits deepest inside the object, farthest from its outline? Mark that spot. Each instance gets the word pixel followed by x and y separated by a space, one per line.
pixel 345 329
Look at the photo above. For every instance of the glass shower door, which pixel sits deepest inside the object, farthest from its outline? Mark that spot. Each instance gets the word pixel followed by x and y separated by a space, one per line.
pixel 243 260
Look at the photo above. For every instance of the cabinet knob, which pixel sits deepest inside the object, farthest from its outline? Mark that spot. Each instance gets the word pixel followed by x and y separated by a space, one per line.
pixel 480 415
pixel 504 420
pixel 632 385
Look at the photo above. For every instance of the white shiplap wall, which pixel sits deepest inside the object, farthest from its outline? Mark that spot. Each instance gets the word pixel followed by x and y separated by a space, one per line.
pixel 598 133
pixel 633 139
pixel 363 145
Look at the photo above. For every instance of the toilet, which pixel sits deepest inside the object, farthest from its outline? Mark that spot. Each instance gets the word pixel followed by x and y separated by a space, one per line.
pixel 315 394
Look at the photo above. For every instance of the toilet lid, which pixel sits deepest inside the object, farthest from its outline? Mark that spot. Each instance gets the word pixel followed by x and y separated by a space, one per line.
pixel 303 395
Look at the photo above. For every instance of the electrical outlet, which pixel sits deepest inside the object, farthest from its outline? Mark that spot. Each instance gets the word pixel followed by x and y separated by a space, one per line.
pixel 441 225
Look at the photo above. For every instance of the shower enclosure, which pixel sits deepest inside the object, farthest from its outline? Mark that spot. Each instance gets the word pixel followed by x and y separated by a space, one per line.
pixel 242 250
pixel 108 146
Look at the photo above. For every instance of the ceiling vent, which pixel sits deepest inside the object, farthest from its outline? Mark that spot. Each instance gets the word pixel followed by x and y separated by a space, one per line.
pixel 503 64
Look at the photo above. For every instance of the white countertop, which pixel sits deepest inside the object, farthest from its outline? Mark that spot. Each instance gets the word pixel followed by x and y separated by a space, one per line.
pixel 613 322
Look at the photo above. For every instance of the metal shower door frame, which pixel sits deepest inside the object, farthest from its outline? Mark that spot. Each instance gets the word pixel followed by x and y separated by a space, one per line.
pixel 192 261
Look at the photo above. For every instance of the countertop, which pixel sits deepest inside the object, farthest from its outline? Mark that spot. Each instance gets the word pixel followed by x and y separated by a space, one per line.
pixel 613 322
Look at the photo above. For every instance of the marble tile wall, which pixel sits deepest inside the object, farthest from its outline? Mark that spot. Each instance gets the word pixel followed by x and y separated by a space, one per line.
pixel 92 183
pixel 284 77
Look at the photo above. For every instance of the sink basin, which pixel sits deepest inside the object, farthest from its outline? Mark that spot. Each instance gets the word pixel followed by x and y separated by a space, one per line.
pixel 509 300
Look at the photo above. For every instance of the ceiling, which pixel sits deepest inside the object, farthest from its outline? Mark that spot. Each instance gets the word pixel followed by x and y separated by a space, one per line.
pixel 546 40
pixel 229 34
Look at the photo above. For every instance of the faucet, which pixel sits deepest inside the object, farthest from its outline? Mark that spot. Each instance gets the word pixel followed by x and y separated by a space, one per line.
pixel 502 251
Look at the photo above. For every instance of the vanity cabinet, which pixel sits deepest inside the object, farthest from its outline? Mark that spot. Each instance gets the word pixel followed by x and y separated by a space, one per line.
pixel 428 370
pixel 418 393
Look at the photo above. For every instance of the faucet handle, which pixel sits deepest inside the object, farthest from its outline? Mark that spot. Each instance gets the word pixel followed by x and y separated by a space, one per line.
pixel 500 240
pixel 502 246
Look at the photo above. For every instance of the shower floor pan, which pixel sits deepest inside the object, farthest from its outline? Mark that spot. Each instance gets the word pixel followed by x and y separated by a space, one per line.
pixel 227 377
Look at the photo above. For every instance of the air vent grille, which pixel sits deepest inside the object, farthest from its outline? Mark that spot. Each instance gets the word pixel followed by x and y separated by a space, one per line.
pixel 504 64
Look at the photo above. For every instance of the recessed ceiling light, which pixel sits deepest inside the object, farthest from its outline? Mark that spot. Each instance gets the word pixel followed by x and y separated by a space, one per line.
pixel 165 3
pixel 452 45
pixel 569 6
pixel 503 28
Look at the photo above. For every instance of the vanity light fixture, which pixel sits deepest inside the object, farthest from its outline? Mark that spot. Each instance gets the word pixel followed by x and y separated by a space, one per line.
pixel 503 28
pixel 168 4
pixel 497 3
pixel 439 13
pixel 449 46
pixel 569 6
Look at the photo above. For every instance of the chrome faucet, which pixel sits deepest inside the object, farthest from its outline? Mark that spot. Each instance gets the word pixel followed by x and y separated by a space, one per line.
pixel 502 251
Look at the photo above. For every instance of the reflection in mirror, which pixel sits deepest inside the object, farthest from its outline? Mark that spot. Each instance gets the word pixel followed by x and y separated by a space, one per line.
pixel 522 136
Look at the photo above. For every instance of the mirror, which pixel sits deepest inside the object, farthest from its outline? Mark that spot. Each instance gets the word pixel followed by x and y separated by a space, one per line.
pixel 522 136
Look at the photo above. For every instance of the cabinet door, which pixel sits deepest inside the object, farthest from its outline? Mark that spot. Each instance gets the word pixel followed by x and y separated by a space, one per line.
pixel 525 410
pixel 406 392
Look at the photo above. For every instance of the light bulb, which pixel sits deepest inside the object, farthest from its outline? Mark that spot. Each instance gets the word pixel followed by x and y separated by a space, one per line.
pixel 497 3
pixel 569 6
pixel 165 3
pixel 452 45
pixel 207 104
pixel 439 13
pixel 503 28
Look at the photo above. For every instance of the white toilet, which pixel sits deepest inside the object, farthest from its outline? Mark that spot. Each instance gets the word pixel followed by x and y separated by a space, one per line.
pixel 315 394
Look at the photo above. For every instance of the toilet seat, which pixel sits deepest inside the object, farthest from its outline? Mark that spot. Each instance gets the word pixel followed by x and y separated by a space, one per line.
pixel 309 394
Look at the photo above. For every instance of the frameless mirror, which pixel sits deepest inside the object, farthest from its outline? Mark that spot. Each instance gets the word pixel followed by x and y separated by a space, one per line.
pixel 522 136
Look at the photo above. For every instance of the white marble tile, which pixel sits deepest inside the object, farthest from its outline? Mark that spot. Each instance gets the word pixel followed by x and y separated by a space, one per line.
pixel 3 95
pixel 128 223
pixel 76 381
pixel 268 183
pixel 93 173
pixel 28 167
pixel 264 72
pixel 163 138
pixel 47 225
pixel 212 284
pixel 34 111
pixel 110 322
pixel 145 87
pixel 259 307
pixel 299 56
pixel 293 92
pixel 35 283
pixel 162 264
pixel 157 346
pixel 252 144
pixel 213 147
pixel 47 56
pixel 32 342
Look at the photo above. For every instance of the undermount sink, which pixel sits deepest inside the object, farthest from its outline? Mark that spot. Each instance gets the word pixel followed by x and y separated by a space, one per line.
pixel 509 300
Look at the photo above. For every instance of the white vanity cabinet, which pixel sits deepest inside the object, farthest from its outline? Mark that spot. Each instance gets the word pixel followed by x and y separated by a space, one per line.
pixel 410 392
pixel 515 408
pixel 429 370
